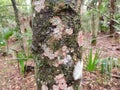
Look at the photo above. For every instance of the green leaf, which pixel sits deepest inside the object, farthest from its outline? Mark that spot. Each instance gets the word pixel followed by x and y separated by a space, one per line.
pixel 7 33
pixel 117 27
pixel 2 41
pixel 92 62
pixel 21 57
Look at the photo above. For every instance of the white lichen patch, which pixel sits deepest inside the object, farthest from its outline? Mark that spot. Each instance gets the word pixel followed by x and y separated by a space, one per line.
pixel 69 31
pixel 77 73
pixel 38 5
pixel 44 87
pixel 68 60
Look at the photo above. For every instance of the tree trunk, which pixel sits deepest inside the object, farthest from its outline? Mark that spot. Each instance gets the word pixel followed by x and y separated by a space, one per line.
pixel 94 24
pixel 56 44
pixel 99 15
pixel 18 24
pixel 112 12
pixel 16 14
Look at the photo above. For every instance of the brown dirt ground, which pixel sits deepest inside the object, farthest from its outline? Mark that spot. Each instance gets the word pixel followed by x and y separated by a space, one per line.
pixel 10 79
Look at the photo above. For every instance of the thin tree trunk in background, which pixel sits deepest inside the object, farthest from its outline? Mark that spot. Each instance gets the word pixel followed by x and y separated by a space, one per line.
pixel 99 14
pixel 95 21
pixel 18 23
pixel 93 24
pixel 16 14
pixel 112 12
pixel 55 46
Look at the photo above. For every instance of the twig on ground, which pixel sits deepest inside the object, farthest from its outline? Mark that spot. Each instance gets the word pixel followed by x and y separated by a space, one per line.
pixel 116 76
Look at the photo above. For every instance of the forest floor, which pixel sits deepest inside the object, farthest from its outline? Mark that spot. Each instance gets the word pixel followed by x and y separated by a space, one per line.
pixel 11 79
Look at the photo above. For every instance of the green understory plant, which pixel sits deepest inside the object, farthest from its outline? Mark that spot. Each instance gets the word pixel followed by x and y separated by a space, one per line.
pixel 104 27
pixel 22 60
pixel 4 37
pixel 2 41
pixel 92 60
pixel 21 57
pixel 107 64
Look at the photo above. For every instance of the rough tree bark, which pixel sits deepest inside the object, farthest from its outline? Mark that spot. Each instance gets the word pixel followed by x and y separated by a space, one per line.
pixel 56 44
pixel 112 12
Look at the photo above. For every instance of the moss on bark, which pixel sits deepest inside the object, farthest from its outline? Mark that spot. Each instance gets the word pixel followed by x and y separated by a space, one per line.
pixel 42 29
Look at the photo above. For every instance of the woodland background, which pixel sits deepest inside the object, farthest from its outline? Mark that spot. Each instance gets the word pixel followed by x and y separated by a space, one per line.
pixel 100 26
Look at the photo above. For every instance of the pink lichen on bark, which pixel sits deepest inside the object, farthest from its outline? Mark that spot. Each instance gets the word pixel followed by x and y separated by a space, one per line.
pixel 60 28
pixel 80 39
pixel 55 87
pixel 55 21
pixel 61 82
pixel 64 50
pixel 39 5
